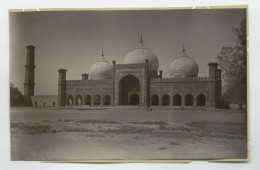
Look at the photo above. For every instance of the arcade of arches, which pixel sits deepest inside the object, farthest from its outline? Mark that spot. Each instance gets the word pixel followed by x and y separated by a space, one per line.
pixel 97 100
pixel 189 100
pixel 132 98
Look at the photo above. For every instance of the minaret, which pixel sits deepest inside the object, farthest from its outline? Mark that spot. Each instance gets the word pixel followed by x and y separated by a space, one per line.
pixel 29 75
pixel 62 88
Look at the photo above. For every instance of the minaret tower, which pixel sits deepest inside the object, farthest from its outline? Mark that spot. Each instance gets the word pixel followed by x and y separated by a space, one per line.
pixel 29 75
pixel 62 88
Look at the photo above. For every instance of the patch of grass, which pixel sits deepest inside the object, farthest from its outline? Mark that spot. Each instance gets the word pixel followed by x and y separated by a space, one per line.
pixel 16 124
pixel 232 128
pixel 76 129
pixel 175 143
pixel 46 121
pixel 129 130
pixel 32 129
pixel 162 126
pixel 68 120
pixel 96 121
pixel 55 131
pixel 162 148
pixel 136 137
pixel 180 128
pixel 94 135
pixel 160 123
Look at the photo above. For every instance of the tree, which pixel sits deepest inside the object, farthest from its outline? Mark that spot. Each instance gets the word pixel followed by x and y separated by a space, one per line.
pixel 233 62
pixel 16 97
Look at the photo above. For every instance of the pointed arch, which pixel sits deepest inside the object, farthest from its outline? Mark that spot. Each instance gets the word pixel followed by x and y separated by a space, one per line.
pixel 188 100
pixel 97 100
pixel 155 100
pixel 106 100
pixel 129 90
pixel 201 100
pixel 87 100
pixel 165 100
pixel 177 100
pixel 78 100
pixel 70 100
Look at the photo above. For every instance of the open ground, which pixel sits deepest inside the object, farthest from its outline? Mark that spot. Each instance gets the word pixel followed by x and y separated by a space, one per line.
pixel 127 133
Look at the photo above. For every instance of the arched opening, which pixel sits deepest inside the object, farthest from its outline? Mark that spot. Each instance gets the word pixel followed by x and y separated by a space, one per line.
pixel 44 104
pixel 134 99
pixel 70 100
pixel 165 100
pixel 35 103
pixel 106 100
pixel 53 103
pixel 78 100
pixel 201 100
pixel 129 90
pixel 87 100
pixel 155 100
pixel 188 100
pixel 177 100
pixel 97 100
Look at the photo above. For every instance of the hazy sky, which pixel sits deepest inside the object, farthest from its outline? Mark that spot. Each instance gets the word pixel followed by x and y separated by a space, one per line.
pixel 74 40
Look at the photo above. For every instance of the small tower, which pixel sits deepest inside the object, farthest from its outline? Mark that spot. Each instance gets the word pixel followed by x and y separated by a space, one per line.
pixel 147 81
pixel 29 75
pixel 84 76
pixel 213 70
pixel 62 88
pixel 214 85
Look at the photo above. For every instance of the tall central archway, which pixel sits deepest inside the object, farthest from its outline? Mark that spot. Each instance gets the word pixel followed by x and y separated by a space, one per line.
pixel 129 90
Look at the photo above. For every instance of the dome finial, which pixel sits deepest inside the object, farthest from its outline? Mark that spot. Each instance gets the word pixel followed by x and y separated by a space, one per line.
pixel 141 40
pixel 183 49
pixel 103 58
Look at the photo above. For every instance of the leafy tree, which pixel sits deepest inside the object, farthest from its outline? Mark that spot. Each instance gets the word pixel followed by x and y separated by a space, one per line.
pixel 233 62
pixel 16 97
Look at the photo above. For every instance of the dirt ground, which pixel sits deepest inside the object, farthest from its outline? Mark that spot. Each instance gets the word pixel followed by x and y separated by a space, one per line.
pixel 71 134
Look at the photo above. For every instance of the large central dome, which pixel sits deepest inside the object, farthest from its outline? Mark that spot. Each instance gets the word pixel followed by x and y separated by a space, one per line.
pixel 139 54
pixel 101 69
pixel 184 66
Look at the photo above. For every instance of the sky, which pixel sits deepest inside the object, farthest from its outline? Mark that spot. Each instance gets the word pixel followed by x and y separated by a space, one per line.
pixel 74 39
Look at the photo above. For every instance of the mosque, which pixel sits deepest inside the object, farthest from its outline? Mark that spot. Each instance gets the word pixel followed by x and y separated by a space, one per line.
pixel 135 82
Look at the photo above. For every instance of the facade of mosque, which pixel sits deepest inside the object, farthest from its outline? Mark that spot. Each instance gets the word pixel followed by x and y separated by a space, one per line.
pixel 139 82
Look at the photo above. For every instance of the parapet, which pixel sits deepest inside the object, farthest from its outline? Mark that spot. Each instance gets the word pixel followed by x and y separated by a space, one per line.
pixel 91 81
pixel 179 79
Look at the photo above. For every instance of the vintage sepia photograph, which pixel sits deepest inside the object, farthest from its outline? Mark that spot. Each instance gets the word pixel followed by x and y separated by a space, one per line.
pixel 128 84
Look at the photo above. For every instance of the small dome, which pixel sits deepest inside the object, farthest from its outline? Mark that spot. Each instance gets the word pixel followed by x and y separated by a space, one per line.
pixel 101 69
pixel 184 66
pixel 139 54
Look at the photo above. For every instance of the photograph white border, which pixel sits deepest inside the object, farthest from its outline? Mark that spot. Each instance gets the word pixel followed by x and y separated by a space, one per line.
pixel 254 82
